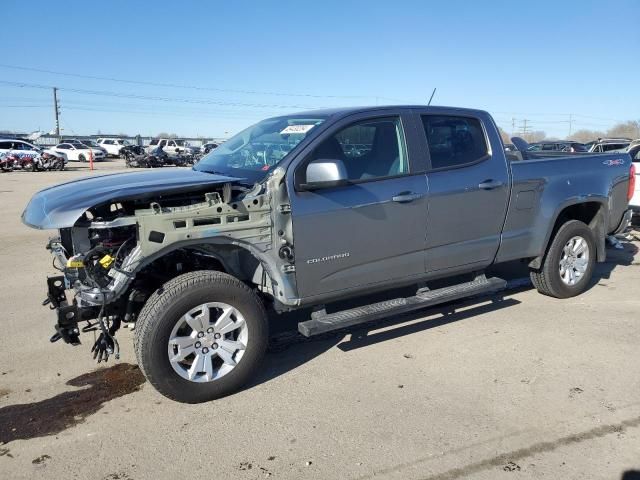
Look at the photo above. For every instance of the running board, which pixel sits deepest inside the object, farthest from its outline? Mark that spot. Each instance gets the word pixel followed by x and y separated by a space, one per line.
pixel 322 322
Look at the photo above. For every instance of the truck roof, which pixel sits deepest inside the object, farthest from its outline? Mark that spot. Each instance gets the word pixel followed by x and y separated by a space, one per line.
pixel 344 111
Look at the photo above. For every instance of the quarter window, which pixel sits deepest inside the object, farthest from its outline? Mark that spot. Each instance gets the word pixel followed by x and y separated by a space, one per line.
pixel 369 149
pixel 454 141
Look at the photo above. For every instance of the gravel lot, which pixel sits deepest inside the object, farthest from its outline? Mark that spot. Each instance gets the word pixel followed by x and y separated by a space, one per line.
pixel 519 386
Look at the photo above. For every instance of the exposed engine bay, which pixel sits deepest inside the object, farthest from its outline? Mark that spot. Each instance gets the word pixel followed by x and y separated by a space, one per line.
pixel 117 253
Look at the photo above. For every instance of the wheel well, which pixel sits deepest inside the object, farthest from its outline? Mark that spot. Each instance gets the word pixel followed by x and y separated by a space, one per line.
pixel 229 259
pixel 585 212
pixel 590 213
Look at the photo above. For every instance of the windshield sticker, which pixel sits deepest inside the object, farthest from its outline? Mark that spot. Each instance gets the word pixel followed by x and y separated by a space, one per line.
pixel 296 129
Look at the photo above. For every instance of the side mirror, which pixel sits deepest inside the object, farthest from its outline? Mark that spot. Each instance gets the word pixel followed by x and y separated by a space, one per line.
pixel 325 173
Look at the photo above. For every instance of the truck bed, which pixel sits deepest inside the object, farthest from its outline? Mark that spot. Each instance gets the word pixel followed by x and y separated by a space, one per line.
pixel 542 187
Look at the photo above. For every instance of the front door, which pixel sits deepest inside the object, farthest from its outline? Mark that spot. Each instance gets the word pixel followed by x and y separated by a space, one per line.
pixel 370 231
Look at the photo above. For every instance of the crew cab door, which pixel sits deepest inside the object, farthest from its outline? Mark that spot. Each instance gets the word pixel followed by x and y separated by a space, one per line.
pixel 468 191
pixel 371 230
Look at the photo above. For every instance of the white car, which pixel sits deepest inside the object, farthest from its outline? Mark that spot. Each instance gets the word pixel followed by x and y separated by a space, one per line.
pixel 113 145
pixel 20 147
pixel 634 203
pixel 171 146
pixel 78 153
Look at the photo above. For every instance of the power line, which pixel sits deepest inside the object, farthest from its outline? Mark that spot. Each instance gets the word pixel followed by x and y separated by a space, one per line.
pixel 200 101
pixel 173 85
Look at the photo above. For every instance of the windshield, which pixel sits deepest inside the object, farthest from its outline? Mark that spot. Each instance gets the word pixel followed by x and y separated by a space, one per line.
pixel 252 153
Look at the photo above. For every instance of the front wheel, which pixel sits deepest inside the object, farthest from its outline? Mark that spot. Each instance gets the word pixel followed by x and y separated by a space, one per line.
pixel 201 336
pixel 82 158
pixel 569 262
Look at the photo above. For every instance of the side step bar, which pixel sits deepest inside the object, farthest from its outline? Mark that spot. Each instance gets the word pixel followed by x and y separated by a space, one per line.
pixel 322 322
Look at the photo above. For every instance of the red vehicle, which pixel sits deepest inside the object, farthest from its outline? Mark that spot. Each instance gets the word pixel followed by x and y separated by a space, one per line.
pixel 12 161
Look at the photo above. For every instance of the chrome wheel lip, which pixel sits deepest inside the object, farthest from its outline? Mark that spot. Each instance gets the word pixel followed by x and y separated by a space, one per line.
pixel 574 261
pixel 208 342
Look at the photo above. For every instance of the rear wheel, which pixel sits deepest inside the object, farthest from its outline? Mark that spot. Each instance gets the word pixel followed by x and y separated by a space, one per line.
pixel 568 264
pixel 201 336
pixel 82 158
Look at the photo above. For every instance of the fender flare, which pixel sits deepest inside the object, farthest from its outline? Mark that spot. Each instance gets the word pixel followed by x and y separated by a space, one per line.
pixel 597 224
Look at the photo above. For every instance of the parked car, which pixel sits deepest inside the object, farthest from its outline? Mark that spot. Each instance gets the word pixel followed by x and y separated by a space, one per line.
pixel 634 152
pixel 87 143
pixel 78 152
pixel 207 147
pixel 171 146
pixel 608 144
pixel 196 256
pixel 112 145
pixel 19 147
pixel 557 146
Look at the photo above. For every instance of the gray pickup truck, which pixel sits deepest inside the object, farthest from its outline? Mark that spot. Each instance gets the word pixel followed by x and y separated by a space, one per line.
pixel 308 209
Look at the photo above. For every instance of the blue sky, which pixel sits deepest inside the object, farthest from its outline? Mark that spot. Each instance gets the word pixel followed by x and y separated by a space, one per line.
pixel 538 61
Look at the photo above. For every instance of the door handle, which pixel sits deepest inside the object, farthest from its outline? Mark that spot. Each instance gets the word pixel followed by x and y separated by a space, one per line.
pixel 490 184
pixel 406 197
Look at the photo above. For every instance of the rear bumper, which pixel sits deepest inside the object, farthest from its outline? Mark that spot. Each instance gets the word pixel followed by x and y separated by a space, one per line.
pixel 624 223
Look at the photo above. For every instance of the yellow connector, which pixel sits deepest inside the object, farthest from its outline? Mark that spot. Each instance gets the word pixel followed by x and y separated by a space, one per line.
pixel 75 262
pixel 106 261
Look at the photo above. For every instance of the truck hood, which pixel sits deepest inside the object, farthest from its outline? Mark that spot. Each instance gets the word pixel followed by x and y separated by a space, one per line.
pixel 60 206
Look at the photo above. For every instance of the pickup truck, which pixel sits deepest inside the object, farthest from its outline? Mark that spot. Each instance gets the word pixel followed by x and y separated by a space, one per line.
pixel 287 215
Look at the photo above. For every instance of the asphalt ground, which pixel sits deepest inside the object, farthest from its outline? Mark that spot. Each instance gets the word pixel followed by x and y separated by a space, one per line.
pixel 517 385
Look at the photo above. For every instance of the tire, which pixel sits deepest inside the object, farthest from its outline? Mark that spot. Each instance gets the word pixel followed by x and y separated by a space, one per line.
pixel 548 279
pixel 167 309
pixel 82 158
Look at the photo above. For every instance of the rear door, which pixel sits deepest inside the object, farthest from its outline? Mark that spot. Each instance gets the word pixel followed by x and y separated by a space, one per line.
pixel 372 230
pixel 468 192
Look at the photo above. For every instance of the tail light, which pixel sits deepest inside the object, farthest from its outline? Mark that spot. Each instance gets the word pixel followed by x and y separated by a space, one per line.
pixel 632 182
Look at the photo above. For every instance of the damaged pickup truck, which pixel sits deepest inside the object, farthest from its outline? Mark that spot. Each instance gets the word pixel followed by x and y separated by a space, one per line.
pixel 303 211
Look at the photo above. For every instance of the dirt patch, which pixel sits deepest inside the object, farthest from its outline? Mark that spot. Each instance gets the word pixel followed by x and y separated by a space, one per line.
pixel 51 416
pixel 4 392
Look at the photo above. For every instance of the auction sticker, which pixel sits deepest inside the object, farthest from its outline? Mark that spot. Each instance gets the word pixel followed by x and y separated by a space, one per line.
pixel 296 129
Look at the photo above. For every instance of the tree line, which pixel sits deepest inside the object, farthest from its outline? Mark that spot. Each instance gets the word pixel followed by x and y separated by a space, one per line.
pixel 629 129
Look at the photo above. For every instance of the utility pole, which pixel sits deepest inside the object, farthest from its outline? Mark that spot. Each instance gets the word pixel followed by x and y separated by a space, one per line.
pixel 513 127
pixel 56 109
pixel 524 128
pixel 570 123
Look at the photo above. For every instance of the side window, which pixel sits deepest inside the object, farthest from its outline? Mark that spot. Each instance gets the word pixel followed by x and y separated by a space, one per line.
pixel 5 145
pixel 172 143
pixel 454 141
pixel 153 142
pixel 163 143
pixel 369 149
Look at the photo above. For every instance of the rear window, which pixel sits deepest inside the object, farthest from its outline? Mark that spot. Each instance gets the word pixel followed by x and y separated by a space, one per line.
pixel 454 141
pixel 153 142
